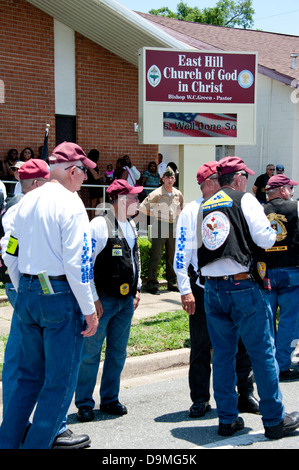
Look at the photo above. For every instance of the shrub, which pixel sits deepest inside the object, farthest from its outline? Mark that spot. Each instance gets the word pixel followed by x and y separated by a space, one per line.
pixel 145 247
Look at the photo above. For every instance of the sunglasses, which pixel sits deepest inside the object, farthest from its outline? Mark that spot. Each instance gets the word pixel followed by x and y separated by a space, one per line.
pixel 243 173
pixel 83 168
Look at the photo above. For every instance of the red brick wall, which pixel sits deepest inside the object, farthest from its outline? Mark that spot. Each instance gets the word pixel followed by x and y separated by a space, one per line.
pixel 107 105
pixel 27 69
pixel 106 88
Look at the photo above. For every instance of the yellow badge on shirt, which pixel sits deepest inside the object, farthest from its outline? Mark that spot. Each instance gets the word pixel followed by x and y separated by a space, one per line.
pixel 12 246
pixel 124 289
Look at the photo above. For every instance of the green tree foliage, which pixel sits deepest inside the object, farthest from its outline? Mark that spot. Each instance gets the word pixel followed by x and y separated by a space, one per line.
pixel 229 13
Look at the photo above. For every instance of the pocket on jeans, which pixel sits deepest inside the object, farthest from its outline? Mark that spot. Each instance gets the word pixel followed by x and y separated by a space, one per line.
pixel 58 307
pixel 243 301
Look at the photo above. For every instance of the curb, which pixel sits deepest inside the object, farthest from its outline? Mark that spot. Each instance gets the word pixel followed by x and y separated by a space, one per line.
pixel 140 366
pixel 149 364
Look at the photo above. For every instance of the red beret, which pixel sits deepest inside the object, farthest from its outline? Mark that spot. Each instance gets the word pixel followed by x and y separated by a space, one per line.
pixel 280 180
pixel 34 168
pixel 122 187
pixel 231 165
pixel 206 170
pixel 70 152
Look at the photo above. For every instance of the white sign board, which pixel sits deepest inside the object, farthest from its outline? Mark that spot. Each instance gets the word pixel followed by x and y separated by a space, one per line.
pixel 197 97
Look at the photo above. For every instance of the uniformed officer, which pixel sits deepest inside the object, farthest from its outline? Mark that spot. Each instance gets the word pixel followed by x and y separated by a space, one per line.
pixel 283 269
pixel 233 223
pixel 116 290
pixel 163 205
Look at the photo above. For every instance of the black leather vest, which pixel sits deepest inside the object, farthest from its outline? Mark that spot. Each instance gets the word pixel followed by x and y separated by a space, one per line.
pixel 225 233
pixel 283 216
pixel 114 273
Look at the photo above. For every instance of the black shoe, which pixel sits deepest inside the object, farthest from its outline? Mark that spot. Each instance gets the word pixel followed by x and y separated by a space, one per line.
pixel 84 414
pixel 114 408
pixel 287 426
pixel 230 429
pixel 173 289
pixel 69 440
pixel 288 375
pixel 247 403
pixel 154 290
pixel 199 409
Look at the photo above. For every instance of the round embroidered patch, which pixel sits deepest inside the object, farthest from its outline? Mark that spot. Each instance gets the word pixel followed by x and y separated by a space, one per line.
pixel 215 230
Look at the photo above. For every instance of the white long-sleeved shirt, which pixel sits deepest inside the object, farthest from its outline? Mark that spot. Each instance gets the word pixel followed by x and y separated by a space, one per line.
pixel 52 230
pixel 99 237
pixel 186 245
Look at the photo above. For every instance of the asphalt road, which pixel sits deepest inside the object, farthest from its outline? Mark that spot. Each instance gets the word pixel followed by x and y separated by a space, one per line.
pixel 157 427
pixel 158 419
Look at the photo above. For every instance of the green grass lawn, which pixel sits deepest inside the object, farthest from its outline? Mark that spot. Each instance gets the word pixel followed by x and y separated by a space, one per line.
pixel 163 332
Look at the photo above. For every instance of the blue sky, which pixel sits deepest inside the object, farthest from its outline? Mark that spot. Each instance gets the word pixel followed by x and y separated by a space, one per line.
pixel 270 15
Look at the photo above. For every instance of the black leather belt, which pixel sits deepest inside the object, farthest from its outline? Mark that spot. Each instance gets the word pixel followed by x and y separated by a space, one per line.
pixel 235 277
pixel 62 277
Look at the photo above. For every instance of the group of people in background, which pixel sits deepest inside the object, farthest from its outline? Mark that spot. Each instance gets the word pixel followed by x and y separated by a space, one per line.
pixel 150 179
pixel 233 259
pixel 259 187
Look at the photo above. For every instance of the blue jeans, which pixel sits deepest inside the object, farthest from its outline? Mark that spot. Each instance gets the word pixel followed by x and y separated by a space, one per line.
pixel 11 293
pixel 285 295
pixel 240 309
pixel 11 355
pixel 114 325
pixel 50 351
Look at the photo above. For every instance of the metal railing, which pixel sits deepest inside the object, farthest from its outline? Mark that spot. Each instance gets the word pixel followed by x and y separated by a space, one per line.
pixel 85 185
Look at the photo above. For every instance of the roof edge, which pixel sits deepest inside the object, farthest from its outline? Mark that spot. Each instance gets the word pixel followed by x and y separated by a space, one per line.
pixel 273 74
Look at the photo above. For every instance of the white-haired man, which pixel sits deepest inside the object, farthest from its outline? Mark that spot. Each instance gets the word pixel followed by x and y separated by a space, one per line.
pixel 50 234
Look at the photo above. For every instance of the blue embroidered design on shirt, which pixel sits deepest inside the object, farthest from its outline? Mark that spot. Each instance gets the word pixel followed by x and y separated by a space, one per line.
pixel 180 256
pixel 85 261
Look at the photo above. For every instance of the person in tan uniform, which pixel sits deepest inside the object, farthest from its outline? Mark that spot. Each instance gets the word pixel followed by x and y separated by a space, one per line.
pixel 163 205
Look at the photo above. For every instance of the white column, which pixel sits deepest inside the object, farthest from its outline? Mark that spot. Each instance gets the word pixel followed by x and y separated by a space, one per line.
pixel 65 76
pixel 191 157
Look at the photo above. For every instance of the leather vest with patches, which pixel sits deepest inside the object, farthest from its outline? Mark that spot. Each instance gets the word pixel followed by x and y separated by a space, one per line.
pixel 283 216
pixel 114 273
pixel 225 233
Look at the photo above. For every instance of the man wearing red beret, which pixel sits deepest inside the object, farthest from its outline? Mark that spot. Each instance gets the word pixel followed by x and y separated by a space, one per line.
pixel 191 286
pixel 283 269
pixel 233 225
pixel 116 288
pixel 49 238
